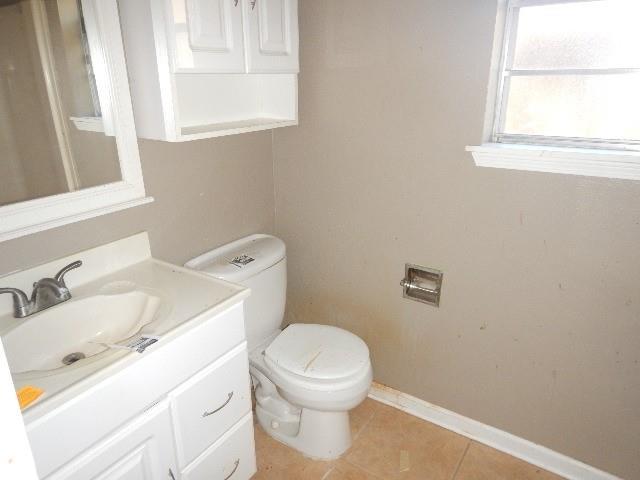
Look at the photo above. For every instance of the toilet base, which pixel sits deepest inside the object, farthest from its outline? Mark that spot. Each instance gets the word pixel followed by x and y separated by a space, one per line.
pixel 320 435
pixel 291 417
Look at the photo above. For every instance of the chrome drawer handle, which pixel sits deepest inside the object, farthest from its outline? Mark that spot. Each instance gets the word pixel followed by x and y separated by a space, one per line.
pixel 206 414
pixel 233 471
pixel 171 475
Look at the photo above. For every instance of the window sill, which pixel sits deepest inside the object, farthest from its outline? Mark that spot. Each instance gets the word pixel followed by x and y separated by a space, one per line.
pixel 572 161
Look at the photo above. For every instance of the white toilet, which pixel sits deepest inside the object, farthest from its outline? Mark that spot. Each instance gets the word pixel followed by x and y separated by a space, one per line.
pixel 306 377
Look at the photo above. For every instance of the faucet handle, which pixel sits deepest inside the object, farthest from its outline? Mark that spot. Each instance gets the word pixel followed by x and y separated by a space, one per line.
pixel 59 277
pixel 20 302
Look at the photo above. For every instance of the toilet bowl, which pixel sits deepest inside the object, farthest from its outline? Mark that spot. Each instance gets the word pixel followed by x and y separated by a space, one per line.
pixel 306 381
pixel 306 377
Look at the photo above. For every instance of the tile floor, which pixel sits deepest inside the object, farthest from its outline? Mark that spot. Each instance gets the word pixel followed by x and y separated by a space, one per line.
pixel 390 444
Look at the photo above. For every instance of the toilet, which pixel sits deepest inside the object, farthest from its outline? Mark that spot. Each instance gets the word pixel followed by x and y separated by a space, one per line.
pixel 306 377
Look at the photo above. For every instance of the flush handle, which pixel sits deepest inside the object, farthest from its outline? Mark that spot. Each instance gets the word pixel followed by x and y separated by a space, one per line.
pixel 422 284
pixel 206 414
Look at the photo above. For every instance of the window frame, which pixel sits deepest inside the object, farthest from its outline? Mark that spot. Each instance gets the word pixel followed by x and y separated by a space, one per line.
pixel 571 155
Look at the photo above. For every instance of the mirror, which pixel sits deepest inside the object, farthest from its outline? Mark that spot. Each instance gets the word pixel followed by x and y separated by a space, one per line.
pixel 68 148
pixel 52 138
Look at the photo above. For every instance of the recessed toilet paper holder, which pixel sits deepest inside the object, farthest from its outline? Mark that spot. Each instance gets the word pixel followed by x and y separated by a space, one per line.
pixel 422 284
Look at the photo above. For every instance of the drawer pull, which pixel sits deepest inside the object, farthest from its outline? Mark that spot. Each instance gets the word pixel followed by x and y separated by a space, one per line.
pixel 206 414
pixel 171 475
pixel 234 470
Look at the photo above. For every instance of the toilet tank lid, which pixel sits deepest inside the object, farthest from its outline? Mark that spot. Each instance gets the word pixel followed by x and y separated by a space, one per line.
pixel 241 259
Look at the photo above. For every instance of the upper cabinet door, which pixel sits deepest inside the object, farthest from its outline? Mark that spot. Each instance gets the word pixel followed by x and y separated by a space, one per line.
pixel 207 36
pixel 271 36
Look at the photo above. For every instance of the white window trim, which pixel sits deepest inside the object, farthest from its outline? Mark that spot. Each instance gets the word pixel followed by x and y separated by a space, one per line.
pixel 595 159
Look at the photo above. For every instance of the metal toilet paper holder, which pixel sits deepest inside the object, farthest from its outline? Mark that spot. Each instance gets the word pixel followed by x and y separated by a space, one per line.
pixel 422 284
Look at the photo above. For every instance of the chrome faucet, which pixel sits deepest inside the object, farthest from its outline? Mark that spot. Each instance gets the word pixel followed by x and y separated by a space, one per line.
pixel 47 292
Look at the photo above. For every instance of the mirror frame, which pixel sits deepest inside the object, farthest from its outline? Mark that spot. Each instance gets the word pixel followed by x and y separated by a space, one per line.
pixel 108 59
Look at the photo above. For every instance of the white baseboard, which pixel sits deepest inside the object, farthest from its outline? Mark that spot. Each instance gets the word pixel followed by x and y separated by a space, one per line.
pixel 505 442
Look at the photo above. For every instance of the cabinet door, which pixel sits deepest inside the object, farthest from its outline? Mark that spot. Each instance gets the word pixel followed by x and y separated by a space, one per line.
pixel 141 450
pixel 207 36
pixel 271 36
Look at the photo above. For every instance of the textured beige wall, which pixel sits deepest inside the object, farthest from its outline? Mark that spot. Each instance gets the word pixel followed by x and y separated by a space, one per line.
pixel 206 193
pixel 539 328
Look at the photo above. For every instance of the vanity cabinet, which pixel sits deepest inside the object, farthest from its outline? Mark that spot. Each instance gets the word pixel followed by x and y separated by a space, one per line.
pixel 206 68
pixel 212 432
pixel 181 410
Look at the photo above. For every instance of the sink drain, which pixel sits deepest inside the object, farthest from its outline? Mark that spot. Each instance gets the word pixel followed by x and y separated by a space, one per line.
pixel 73 358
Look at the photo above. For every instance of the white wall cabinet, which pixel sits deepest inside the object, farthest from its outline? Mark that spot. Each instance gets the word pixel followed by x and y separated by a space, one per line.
pixel 206 68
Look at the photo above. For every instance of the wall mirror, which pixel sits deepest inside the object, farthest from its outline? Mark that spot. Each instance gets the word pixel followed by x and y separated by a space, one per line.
pixel 68 147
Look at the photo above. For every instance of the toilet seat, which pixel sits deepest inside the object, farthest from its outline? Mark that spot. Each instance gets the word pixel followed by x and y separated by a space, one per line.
pixel 317 354
pixel 316 366
pixel 306 380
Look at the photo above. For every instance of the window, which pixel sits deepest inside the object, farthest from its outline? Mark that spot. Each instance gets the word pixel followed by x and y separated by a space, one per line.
pixel 566 85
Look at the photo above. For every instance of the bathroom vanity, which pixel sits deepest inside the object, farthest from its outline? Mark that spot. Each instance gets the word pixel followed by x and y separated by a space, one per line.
pixel 169 400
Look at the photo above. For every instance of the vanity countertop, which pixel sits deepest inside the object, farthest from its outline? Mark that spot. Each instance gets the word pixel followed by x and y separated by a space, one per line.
pixel 187 298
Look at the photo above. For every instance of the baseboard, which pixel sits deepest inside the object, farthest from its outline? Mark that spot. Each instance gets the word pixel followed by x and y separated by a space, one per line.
pixel 505 442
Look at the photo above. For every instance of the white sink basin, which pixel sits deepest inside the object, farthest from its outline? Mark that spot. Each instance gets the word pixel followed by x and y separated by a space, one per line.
pixel 77 331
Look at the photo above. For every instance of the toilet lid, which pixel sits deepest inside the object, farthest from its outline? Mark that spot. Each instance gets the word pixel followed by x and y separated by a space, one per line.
pixel 318 351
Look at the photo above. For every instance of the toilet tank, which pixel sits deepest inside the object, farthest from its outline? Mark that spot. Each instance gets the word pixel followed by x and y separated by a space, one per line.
pixel 258 262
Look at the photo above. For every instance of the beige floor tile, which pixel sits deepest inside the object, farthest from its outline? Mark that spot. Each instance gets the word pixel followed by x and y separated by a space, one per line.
pixel 269 471
pixel 392 445
pixel 275 458
pixel 486 463
pixel 360 416
pixel 395 445
pixel 272 471
pixel 346 471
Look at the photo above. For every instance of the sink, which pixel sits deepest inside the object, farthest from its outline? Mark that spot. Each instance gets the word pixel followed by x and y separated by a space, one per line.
pixel 120 294
pixel 77 331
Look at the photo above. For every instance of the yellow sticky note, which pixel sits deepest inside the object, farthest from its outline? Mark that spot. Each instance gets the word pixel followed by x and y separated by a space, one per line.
pixel 27 395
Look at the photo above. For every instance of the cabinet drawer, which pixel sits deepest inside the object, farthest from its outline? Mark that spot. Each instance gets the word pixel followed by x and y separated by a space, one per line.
pixel 231 458
pixel 210 403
